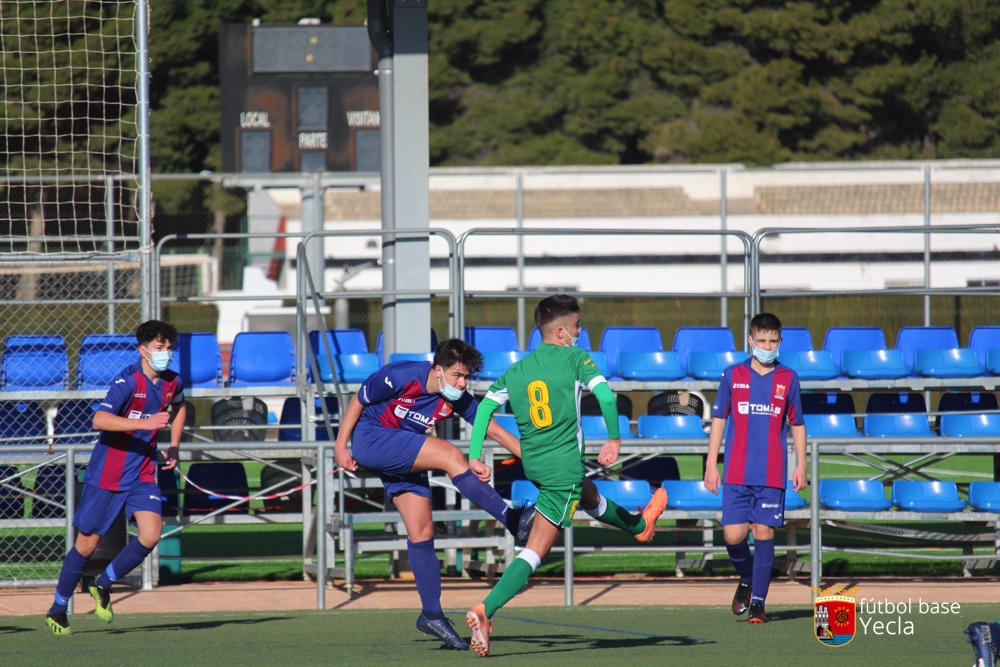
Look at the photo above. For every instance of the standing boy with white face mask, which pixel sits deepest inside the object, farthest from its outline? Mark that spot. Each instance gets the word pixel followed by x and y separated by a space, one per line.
pixel 122 469
pixel 762 397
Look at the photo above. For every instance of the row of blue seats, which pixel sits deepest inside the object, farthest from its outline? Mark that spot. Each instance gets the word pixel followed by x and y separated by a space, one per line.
pixel 636 353
pixel 837 494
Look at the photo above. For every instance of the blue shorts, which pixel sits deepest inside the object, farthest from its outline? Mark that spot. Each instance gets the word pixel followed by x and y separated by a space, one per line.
pixel 99 507
pixel 391 452
pixel 764 505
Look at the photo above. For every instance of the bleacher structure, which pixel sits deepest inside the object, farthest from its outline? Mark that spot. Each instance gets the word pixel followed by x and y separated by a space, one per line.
pixel 51 377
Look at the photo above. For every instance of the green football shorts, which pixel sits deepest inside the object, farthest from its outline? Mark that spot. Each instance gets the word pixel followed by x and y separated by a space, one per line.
pixel 558 504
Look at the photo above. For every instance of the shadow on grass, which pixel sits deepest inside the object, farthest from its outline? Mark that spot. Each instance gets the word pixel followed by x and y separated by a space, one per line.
pixel 563 643
pixel 198 625
pixel 13 630
pixel 788 615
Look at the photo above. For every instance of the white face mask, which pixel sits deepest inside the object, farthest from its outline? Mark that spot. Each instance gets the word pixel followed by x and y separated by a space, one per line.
pixel 764 356
pixel 449 392
pixel 159 361
pixel 573 341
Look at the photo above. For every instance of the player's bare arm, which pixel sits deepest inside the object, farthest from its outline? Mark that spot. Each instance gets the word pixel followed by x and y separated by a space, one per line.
pixel 105 421
pixel 799 478
pixel 712 478
pixel 348 422
pixel 176 430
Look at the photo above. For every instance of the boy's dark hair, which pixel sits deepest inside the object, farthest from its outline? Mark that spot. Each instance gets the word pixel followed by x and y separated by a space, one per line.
pixel 154 329
pixel 765 322
pixel 455 350
pixel 553 307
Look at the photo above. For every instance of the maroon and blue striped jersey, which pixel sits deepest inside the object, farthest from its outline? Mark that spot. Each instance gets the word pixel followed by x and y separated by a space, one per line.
pixel 124 459
pixel 757 435
pixel 396 397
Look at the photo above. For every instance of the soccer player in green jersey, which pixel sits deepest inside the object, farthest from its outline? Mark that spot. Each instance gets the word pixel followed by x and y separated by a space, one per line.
pixel 544 391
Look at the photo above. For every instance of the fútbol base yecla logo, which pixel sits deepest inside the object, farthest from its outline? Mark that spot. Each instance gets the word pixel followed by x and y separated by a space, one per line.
pixel 834 615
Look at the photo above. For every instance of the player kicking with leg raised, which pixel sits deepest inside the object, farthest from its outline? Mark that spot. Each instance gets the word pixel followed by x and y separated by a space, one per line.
pixel 762 396
pixel 544 391
pixel 122 469
pixel 389 419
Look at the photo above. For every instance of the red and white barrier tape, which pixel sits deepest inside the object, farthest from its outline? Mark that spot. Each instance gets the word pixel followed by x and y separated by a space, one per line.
pixel 270 497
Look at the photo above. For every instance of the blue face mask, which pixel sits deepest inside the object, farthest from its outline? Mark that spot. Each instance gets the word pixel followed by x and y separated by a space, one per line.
pixel 450 393
pixel 764 356
pixel 160 361
pixel 573 340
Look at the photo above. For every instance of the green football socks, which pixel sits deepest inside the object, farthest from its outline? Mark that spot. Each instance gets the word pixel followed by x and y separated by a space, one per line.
pixel 513 580
pixel 617 516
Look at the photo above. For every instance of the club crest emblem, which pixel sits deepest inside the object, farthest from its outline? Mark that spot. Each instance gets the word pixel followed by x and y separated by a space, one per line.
pixel 834 615
pixel 780 391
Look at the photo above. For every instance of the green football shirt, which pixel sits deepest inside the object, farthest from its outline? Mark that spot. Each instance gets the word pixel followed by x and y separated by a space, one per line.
pixel 544 390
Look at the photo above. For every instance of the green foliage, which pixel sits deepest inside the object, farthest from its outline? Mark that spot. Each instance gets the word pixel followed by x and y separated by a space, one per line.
pixel 562 82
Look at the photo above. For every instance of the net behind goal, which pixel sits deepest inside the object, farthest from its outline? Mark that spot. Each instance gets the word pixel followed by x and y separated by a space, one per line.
pixel 68 126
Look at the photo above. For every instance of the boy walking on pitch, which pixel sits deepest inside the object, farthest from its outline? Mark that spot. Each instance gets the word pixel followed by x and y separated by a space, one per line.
pixel 122 469
pixel 544 391
pixel 765 395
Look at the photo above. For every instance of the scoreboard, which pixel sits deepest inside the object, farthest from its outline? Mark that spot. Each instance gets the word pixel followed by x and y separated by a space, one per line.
pixel 298 98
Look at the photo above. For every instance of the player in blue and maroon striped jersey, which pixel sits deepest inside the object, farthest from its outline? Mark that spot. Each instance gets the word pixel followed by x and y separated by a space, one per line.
pixel 122 469
pixel 389 419
pixel 761 398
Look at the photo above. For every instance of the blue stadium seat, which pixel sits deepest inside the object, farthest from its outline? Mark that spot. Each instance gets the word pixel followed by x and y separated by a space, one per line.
pixel 712 365
pixel 671 426
pixel 810 364
pixel 701 339
pixel 601 361
pixel 411 356
pixel 830 426
pixel 853 495
pixel 654 470
pixel 874 364
pixel 898 426
pixel 993 361
pixel 987 425
pixel 793 500
pixel 342 341
pixel 508 423
pixel 379 347
pixel 22 419
pixel 491 339
pixel 262 359
pixel 985 496
pixel 496 364
pixel 523 492
pixel 643 366
pixel 227 477
pixel 50 482
pixel 956 363
pixel 594 427
pixel 34 363
pixel 911 339
pixel 630 494
pixel 11 502
pixel 198 360
pixel 685 494
pixel 616 340
pixel 291 413
pixel 984 338
pixel 535 339
pixel 796 339
pixel 75 417
pixel 351 368
pixel 827 403
pixel 896 403
pixel 102 357
pixel 926 496
pixel 956 401
pixel 169 495
pixel 840 339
